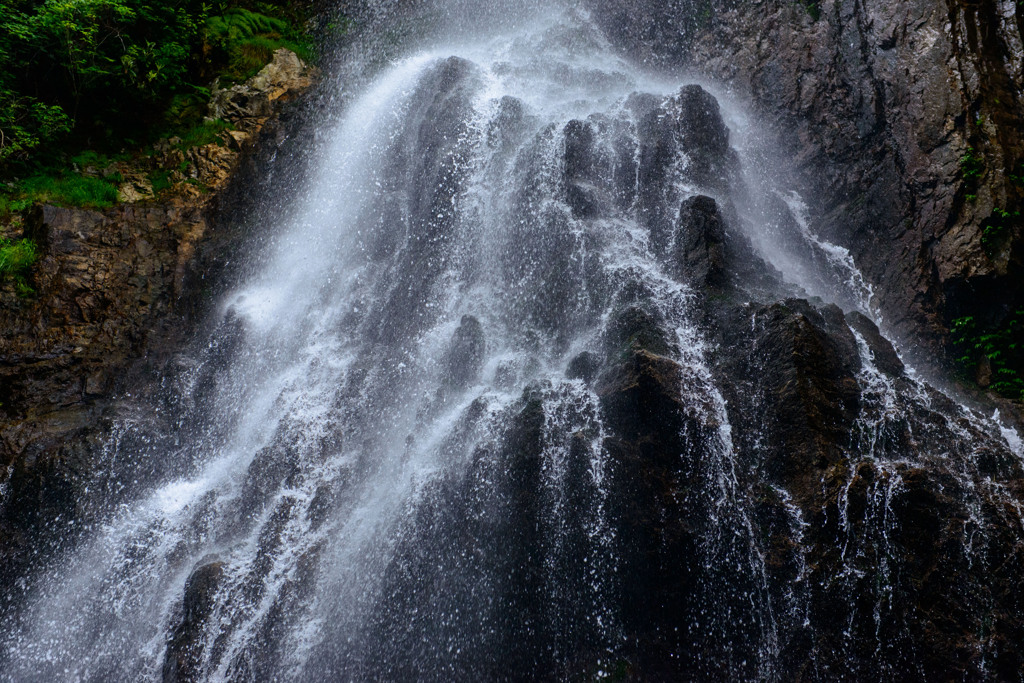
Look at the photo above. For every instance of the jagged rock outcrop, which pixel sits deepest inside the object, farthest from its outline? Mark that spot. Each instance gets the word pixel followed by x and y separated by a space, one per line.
pixel 282 79
pixel 903 119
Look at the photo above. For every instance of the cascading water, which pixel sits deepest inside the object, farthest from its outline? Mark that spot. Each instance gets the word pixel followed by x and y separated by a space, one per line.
pixel 468 420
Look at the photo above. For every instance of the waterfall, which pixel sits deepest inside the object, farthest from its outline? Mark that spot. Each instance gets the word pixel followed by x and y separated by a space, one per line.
pixel 469 418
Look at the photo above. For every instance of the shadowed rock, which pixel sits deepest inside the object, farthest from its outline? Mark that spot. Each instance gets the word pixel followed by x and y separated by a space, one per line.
pixel 466 354
pixel 184 651
pixel 584 366
pixel 700 250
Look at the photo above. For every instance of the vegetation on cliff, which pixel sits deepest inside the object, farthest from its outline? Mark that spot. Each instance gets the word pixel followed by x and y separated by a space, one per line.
pixel 111 74
pixel 16 257
pixel 92 90
pixel 994 354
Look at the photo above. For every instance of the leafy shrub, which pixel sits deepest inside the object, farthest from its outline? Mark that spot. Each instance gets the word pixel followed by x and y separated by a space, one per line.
pixel 972 165
pixel 111 73
pixel 27 123
pixel 1001 346
pixel 246 40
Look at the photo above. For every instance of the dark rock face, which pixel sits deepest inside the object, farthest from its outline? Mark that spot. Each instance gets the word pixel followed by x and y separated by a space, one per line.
pixel 882 351
pixel 867 483
pixel 686 126
pixel 105 282
pixel 903 119
pixel 185 649
pixel 809 359
pixel 584 366
pixel 700 244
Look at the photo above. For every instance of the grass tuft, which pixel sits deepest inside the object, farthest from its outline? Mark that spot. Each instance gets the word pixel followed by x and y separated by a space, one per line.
pixel 16 259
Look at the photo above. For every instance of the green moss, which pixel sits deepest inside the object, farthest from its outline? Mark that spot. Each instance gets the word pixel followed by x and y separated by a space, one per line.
pixel 812 8
pixel 205 133
pixel 161 180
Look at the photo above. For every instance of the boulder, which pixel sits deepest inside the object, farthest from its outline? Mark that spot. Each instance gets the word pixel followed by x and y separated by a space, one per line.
pixel 281 79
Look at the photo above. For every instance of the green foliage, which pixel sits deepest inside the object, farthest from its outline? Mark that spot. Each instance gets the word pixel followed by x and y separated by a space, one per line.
pixel 16 260
pixel 246 40
pixel 25 124
pixel 1017 178
pixel 972 165
pixel 16 257
pixel 1003 347
pixel 160 180
pixel 106 74
pixel 991 234
pixel 997 227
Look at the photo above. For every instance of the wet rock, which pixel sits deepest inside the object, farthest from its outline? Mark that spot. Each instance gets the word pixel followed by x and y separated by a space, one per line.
pixel 183 659
pixel 584 366
pixel 465 356
pixel 579 150
pixel 507 126
pixel 886 358
pixel 582 200
pixel 116 293
pixel 700 250
pixel 579 169
pixel 705 137
pixel 432 148
pixel 635 328
pixel 681 138
pixel 505 376
pixel 659 437
pixel 802 362
pixel 272 467
pixel 902 121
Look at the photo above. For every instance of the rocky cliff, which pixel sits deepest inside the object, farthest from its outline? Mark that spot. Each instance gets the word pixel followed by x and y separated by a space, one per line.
pixel 116 294
pixel 904 122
